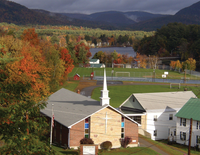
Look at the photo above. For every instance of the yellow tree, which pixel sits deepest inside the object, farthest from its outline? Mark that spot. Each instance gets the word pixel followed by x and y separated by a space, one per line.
pixel 173 64
pixel 191 64
pixel 178 65
pixel 142 60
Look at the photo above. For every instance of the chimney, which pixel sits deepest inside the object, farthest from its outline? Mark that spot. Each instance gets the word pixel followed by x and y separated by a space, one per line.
pixel 78 91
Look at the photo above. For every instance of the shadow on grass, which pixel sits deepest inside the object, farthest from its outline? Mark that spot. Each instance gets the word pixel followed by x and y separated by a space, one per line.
pixel 69 152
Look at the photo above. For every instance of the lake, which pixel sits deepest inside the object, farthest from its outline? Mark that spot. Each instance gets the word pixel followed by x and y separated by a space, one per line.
pixel 121 50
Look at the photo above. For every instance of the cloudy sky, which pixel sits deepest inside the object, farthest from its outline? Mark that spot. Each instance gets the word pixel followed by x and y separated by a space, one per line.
pixel 91 6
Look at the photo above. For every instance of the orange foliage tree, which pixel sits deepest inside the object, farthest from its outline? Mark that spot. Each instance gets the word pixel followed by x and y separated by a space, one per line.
pixel 141 60
pixel 68 62
pixel 23 90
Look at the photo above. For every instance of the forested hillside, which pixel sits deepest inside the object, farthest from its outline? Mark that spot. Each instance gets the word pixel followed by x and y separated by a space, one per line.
pixel 174 39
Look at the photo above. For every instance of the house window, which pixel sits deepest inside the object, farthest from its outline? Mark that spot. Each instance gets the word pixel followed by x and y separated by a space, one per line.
pixel 198 125
pixel 87 125
pixel 155 133
pixel 133 99
pixel 182 122
pixel 122 127
pixel 155 118
pixel 137 119
pixel 197 139
pixel 182 135
pixel 170 116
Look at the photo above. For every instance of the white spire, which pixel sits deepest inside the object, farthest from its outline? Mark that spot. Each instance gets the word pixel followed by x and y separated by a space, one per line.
pixel 104 99
pixel 104 81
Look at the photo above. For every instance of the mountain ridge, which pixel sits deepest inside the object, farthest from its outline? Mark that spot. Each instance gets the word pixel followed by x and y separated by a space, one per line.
pixel 12 12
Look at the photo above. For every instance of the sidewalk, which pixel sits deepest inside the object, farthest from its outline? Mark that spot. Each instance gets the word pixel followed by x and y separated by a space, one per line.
pixel 144 143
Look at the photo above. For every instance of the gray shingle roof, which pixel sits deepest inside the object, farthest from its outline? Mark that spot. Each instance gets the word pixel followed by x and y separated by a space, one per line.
pixel 70 107
pixel 161 100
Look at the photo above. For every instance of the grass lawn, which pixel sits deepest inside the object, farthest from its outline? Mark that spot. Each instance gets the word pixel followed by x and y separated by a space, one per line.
pixel 70 85
pixel 166 148
pixel 145 73
pixel 120 93
pixel 61 151
pixel 120 151
pixel 181 147
pixel 129 151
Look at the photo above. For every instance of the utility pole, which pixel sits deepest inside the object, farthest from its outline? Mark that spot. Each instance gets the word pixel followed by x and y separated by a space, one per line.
pixel 190 136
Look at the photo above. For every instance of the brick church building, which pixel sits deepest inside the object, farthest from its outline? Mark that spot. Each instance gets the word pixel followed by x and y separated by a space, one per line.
pixel 77 116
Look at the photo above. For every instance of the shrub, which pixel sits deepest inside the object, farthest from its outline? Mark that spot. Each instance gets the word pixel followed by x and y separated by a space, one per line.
pixel 86 141
pixel 106 145
pixel 125 141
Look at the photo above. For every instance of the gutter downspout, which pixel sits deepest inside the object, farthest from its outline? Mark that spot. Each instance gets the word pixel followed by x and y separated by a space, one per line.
pixel 69 137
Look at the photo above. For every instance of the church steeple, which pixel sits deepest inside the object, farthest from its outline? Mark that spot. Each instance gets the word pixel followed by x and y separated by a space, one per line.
pixel 104 99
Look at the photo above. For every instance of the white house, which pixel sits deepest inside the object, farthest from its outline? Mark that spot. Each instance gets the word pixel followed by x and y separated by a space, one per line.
pixel 95 63
pixel 190 110
pixel 155 111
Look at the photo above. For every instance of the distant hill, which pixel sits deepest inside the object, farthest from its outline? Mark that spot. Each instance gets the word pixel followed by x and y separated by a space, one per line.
pixel 12 12
pixel 188 15
pixel 116 18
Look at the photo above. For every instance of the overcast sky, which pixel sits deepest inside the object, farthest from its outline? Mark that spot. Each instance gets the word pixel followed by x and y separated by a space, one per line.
pixel 92 6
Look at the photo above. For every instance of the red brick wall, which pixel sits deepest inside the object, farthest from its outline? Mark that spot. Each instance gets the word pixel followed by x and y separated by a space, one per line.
pixel 77 132
pixel 131 130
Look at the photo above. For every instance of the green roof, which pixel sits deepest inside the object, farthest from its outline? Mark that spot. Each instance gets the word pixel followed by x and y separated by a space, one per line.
pixel 190 110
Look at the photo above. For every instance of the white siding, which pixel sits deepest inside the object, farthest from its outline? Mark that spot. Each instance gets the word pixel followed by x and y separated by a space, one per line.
pixel 186 129
pixel 162 124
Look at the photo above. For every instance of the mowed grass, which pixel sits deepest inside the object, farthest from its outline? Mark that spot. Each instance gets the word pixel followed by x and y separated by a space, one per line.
pixel 118 94
pixel 120 151
pixel 130 151
pixel 143 73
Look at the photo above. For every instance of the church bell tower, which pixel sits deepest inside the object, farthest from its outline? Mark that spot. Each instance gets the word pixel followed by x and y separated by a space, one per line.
pixel 104 99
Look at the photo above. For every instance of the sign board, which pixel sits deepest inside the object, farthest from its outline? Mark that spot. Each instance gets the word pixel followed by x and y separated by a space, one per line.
pixel 163 76
pixel 166 73
pixel 89 150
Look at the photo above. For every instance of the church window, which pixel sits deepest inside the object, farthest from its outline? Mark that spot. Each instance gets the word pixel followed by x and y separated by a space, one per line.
pixel 122 127
pixel 87 126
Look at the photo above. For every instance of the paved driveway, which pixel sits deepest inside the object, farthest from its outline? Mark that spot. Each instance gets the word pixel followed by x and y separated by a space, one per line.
pixel 144 143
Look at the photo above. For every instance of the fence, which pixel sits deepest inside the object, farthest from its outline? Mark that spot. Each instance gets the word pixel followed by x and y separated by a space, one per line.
pixel 125 74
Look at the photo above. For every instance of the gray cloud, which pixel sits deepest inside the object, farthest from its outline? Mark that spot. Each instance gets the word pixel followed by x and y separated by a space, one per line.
pixel 91 6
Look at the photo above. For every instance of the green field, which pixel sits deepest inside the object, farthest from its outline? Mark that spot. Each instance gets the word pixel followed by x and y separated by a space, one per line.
pixel 118 94
pixel 132 72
